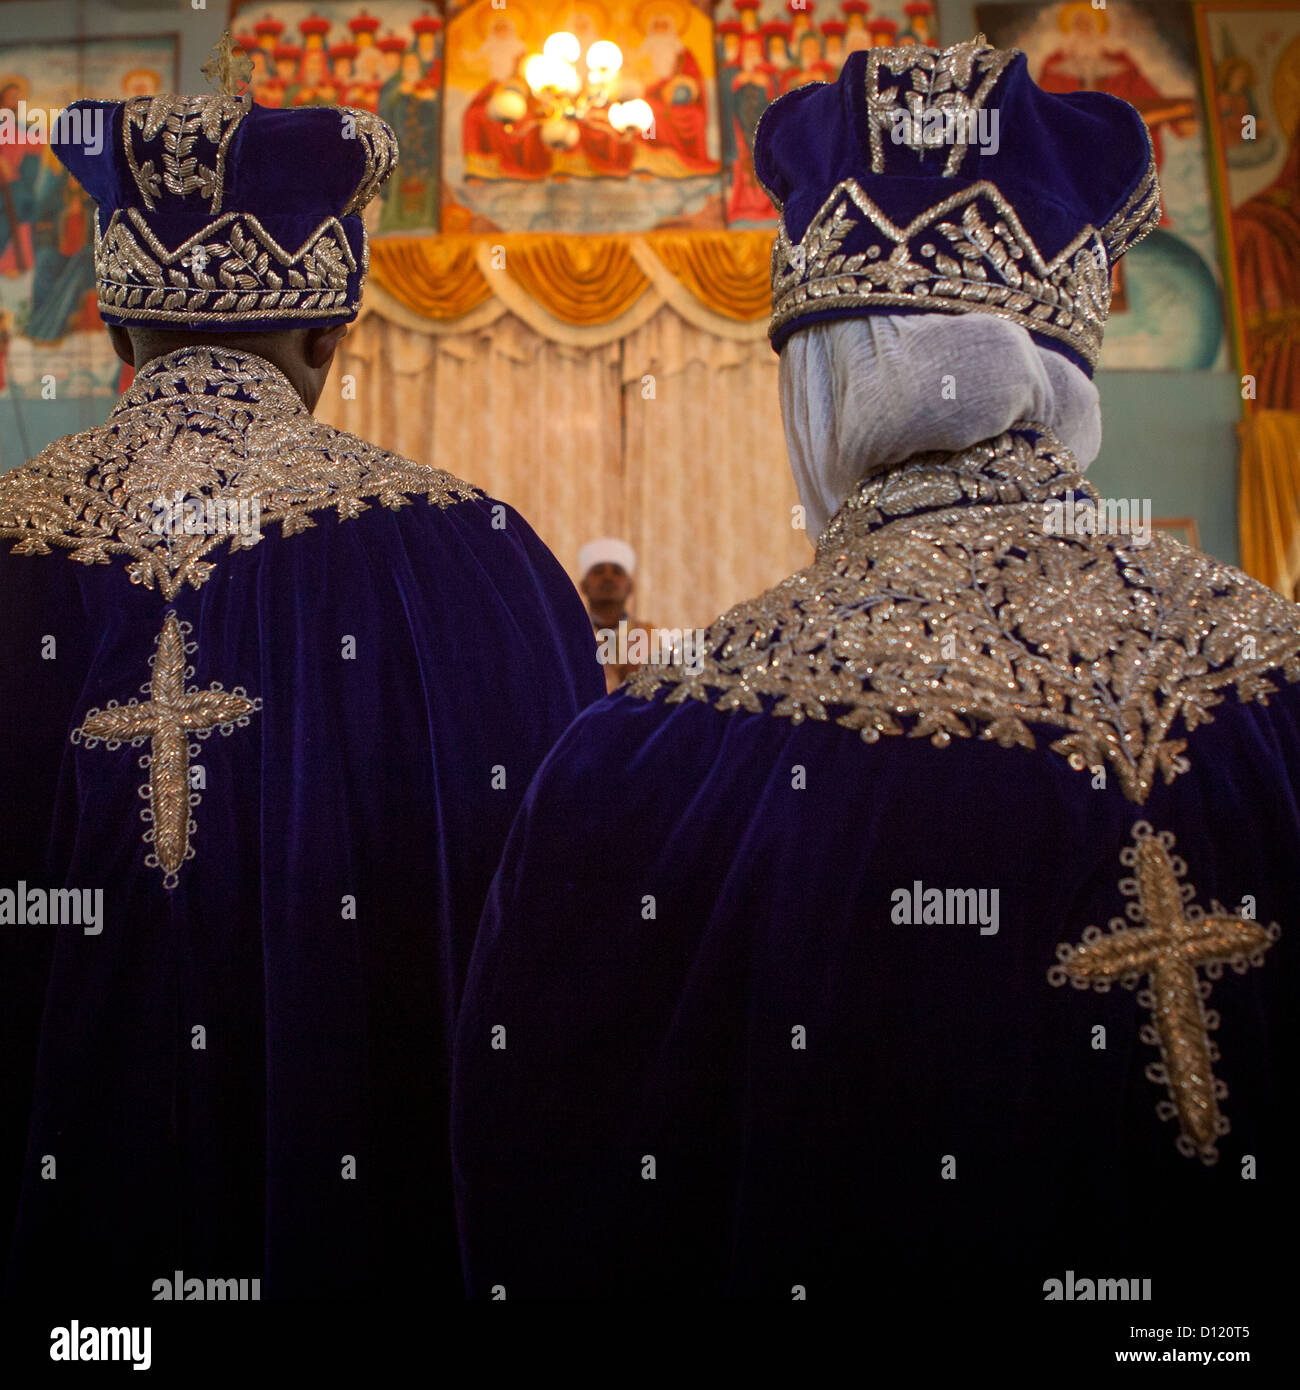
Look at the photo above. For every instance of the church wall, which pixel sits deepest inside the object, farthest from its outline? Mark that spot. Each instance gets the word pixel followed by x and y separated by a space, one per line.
pixel 1168 435
pixel 26 426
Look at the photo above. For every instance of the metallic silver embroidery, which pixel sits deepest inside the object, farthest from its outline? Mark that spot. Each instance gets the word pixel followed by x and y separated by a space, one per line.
pixel 1140 213
pixel 939 79
pixel 205 423
pixel 940 606
pixel 380 145
pixel 174 125
pixel 165 721
pixel 1166 938
pixel 231 270
pixel 967 253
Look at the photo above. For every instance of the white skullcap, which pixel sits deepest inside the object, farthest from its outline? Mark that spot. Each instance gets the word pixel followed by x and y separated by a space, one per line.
pixel 606 551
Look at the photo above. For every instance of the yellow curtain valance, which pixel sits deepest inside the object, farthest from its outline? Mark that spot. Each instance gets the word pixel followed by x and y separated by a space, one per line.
pixel 584 281
pixel 729 273
pixel 435 277
pixel 1268 500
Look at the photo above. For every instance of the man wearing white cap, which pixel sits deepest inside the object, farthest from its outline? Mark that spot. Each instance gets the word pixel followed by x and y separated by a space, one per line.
pixel 606 567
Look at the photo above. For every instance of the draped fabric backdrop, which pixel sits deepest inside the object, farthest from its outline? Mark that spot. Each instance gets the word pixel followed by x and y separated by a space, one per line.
pixel 668 435
pixel 1268 498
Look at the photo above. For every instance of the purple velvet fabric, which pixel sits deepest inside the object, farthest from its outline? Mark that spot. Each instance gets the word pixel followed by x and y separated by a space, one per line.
pixel 815 137
pixel 327 1035
pixel 670 1034
pixel 291 170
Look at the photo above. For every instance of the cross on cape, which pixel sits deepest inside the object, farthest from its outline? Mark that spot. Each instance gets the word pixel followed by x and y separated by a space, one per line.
pixel 166 720
pixel 1176 939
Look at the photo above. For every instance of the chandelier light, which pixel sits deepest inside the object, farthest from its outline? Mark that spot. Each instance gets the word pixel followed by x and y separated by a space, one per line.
pixel 571 90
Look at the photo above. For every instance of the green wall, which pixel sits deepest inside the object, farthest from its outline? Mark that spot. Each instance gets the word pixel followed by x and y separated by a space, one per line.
pixel 1169 436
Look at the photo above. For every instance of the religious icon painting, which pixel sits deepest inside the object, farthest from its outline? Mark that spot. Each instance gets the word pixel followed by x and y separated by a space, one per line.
pixel 51 336
pixel 1166 301
pixel 384 56
pixel 1251 66
pixel 766 48
pixel 581 116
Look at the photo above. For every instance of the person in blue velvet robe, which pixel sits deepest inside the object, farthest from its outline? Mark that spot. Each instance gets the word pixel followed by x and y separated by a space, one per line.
pixel 932 945
pixel 273 695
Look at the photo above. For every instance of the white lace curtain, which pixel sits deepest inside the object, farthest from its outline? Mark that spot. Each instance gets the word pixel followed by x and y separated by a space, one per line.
pixel 669 437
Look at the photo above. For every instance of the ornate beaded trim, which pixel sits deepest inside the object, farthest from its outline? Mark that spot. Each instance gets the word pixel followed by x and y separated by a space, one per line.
pixel 210 424
pixel 165 721
pixel 966 254
pixel 1166 938
pixel 939 79
pixel 252 275
pixel 940 607
pixel 233 270
pixel 177 124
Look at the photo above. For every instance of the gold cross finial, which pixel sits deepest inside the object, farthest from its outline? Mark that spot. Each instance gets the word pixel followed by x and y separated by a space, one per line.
pixel 1171 937
pixel 228 68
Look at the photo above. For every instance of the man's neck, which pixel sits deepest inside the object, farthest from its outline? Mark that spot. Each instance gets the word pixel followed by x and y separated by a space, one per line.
pixel 607 614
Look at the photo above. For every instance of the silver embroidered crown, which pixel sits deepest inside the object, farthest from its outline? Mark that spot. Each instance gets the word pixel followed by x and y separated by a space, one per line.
pixel 948 182
pixel 219 214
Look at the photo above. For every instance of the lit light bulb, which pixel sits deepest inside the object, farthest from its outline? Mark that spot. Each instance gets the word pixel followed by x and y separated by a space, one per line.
pixel 543 72
pixel 559 133
pixel 564 46
pixel 566 78
pixel 604 57
pixel 638 113
pixel 537 71
pixel 506 104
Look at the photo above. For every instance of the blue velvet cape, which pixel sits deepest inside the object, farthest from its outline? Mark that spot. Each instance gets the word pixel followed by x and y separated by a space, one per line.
pixel 386 779
pixel 704 1052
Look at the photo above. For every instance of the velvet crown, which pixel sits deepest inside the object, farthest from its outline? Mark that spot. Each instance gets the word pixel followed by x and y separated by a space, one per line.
pixel 928 181
pixel 220 215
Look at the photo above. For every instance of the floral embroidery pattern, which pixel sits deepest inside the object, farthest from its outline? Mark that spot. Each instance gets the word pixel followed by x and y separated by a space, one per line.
pixel 207 423
pixel 940 607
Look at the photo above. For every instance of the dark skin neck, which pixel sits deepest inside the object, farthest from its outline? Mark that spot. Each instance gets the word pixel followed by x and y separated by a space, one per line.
pixel 607 614
pixel 304 355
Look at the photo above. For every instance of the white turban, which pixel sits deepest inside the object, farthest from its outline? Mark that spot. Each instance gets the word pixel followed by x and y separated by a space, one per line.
pixel 859 395
pixel 606 551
